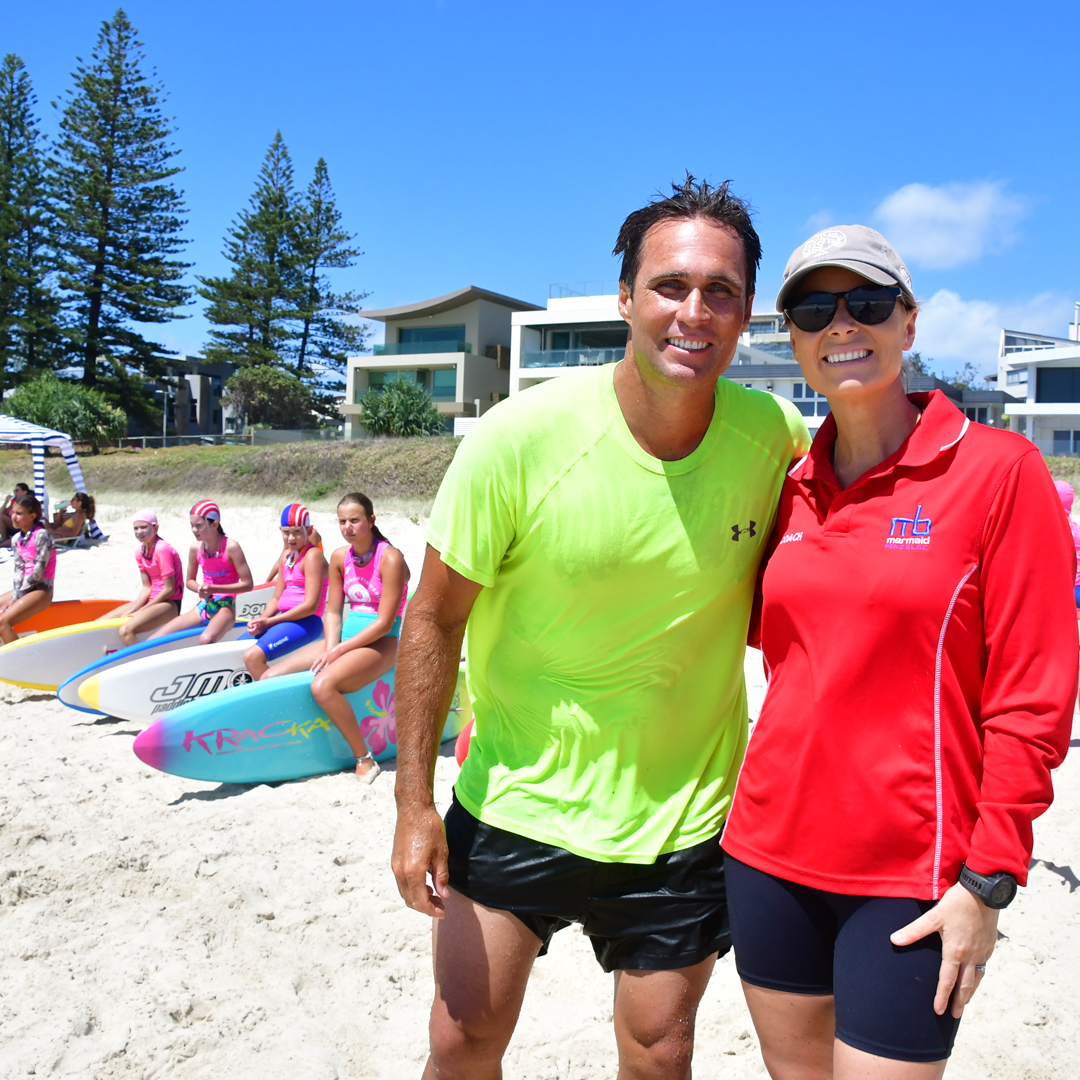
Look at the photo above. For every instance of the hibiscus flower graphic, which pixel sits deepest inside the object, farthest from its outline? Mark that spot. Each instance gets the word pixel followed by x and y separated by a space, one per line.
pixel 379 728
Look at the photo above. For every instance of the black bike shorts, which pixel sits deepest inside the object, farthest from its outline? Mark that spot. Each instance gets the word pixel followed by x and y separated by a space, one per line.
pixel 801 940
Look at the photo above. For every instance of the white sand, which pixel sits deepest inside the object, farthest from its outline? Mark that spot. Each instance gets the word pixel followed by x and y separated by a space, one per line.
pixel 152 926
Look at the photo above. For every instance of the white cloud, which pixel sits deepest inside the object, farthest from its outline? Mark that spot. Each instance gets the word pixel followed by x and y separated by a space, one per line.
pixel 821 220
pixel 954 331
pixel 943 227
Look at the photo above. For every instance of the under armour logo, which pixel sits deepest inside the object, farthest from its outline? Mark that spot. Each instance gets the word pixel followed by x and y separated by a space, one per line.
pixel 736 532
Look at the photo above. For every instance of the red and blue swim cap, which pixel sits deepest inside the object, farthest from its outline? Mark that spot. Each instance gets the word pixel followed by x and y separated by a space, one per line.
pixel 295 514
pixel 207 509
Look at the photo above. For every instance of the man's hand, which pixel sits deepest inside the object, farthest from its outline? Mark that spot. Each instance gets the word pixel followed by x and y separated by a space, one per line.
pixel 420 849
pixel 968 931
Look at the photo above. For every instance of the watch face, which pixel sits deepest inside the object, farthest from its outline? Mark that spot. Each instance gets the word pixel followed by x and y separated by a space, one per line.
pixel 1003 891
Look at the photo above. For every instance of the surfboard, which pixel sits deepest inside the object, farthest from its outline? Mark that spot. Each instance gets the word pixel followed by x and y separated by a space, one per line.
pixel 249 605
pixel 66 613
pixel 44 660
pixel 275 730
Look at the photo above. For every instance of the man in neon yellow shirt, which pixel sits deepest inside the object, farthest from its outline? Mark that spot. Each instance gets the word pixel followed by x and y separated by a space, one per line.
pixel 601 536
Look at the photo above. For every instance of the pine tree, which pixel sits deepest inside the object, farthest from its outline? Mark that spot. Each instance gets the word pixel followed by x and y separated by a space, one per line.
pixel 29 334
pixel 325 340
pixel 119 215
pixel 259 301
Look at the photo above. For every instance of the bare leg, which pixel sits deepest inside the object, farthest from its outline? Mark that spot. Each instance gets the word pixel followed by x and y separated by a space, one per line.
pixel 145 619
pixel 655 1013
pixel 353 670
pixel 221 622
pixel 852 1064
pixel 118 612
pixel 32 603
pixel 796 1032
pixel 255 662
pixel 188 621
pixel 301 660
pixel 482 959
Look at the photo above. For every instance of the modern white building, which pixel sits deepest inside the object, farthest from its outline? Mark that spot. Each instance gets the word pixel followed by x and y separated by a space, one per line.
pixel 456 346
pixel 1044 373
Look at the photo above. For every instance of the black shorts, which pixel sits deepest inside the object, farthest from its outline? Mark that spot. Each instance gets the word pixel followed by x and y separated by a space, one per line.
pixel 658 917
pixel 804 941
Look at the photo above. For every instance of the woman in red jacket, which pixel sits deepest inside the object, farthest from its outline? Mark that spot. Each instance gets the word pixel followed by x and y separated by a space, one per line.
pixel 920 636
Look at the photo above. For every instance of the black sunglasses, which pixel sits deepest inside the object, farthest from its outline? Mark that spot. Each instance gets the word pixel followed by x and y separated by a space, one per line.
pixel 867 304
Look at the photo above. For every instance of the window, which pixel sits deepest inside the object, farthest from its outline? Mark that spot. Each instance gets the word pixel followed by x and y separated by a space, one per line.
pixel 215 385
pixel 1066 443
pixel 767 326
pixel 978 415
pixel 444 384
pixel 378 380
pixel 1014 378
pixel 217 418
pixel 599 337
pixel 811 403
pixel 1057 384
pixel 427 334
pixel 193 410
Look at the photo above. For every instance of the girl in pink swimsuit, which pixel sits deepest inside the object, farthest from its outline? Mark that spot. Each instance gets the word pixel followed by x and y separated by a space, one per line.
pixel 293 617
pixel 162 576
pixel 371 576
pixel 35 567
pixel 225 573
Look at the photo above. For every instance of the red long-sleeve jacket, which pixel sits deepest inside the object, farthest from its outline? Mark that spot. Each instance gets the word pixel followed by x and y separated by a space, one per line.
pixel 920 635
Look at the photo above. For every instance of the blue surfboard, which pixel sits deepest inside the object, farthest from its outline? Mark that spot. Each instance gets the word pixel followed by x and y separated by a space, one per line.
pixel 275 730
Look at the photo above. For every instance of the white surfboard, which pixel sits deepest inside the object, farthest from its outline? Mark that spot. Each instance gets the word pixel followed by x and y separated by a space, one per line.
pixel 249 605
pixel 43 661
pixel 148 688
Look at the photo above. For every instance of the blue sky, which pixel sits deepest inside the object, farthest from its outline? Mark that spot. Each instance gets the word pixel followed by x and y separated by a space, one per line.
pixel 502 144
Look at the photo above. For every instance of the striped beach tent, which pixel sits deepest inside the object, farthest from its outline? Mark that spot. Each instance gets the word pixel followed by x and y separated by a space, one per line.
pixel 37 437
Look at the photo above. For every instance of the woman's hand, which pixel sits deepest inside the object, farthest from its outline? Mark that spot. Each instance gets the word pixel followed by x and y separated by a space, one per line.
pixel 326 657
pixel 968 931
pixel 205 591
pixel 258 626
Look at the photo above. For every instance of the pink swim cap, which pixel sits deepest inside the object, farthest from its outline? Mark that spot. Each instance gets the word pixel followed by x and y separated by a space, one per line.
pixel 145 515
pixel 1065 494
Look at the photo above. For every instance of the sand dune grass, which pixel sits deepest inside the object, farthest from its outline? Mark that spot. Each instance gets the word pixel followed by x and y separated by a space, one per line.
pixel 407 471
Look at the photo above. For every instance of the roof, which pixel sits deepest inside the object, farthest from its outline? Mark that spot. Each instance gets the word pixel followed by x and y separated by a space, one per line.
pixel 738 372
pixel 448 302
pixel 989 397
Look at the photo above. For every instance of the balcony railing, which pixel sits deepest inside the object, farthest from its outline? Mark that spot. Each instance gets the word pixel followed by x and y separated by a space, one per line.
pixel 571 357
pixel 417 348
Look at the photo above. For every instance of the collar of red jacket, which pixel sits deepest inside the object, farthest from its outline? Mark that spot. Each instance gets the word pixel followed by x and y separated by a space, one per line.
pixel 942 426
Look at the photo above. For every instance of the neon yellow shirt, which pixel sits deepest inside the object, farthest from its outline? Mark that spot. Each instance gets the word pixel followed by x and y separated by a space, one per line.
pixel 604 657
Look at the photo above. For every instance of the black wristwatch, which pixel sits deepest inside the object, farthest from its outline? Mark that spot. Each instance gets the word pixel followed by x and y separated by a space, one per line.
pixel 995 891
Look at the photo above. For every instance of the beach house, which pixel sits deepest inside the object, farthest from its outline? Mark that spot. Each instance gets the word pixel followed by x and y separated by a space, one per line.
pixel 456 346
pixel 1043 372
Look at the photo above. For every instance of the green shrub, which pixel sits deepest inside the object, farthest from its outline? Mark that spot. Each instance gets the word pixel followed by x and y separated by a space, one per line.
pixel 84 414
pixel 269 397
pixel 402 408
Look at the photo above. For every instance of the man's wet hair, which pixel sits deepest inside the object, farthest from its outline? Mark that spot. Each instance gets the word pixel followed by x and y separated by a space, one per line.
pixel 690 199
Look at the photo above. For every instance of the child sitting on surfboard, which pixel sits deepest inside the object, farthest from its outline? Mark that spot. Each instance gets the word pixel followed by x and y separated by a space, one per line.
pixel 371 575
pixel 313 538
pixel 225 573
pixel 293 617
pixel 35 567
pixel 162 581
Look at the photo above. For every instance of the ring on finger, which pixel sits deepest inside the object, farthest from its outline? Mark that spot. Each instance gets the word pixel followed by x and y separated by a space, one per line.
pixel 981 967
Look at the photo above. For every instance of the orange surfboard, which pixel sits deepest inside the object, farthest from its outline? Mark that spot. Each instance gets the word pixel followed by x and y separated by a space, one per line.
pixel 66 613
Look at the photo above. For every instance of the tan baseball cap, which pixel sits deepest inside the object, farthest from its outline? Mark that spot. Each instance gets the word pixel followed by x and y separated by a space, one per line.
pixel 854 247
